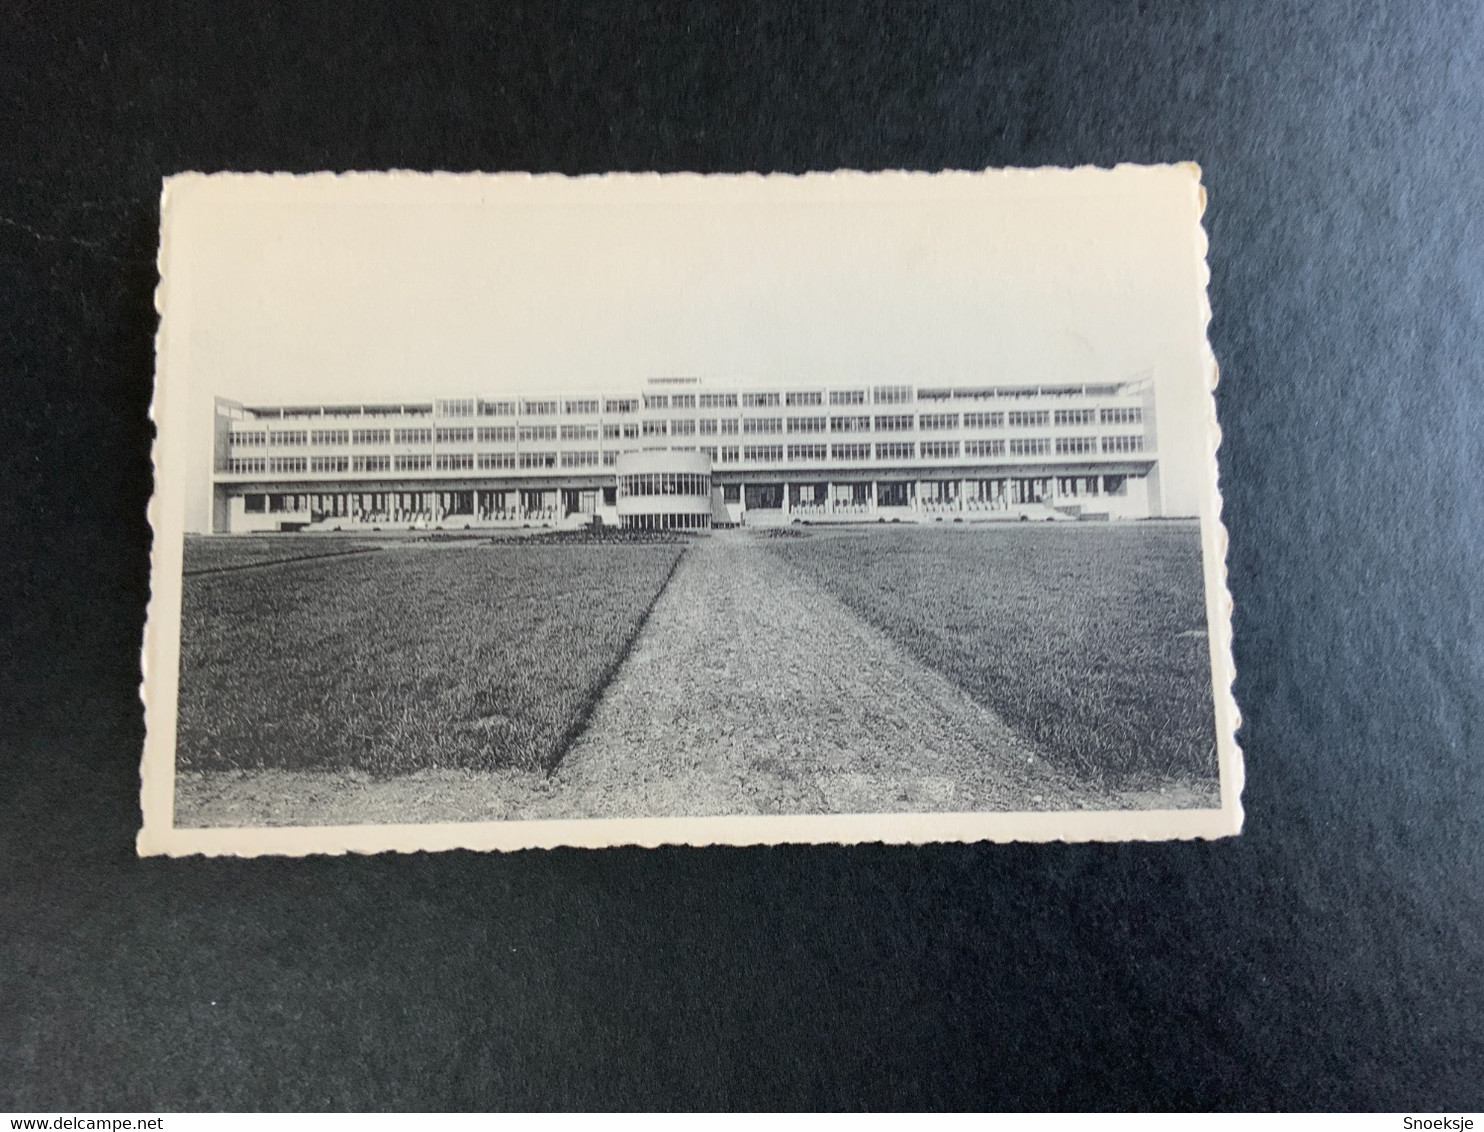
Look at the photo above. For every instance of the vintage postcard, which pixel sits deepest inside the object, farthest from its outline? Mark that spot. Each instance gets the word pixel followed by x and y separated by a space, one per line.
pixel 516 511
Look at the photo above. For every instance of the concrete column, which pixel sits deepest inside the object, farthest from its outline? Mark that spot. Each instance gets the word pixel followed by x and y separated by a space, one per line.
pixel 829 498
pixel 873 497
pixel 787 510
pixel 963 495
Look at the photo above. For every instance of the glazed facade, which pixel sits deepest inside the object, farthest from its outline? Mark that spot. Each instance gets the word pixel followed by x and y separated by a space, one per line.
pixel 903 452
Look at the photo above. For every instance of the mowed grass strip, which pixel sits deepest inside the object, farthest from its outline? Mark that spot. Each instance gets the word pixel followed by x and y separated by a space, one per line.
pixel 482 658
pixel 1090 640
pixel 205 554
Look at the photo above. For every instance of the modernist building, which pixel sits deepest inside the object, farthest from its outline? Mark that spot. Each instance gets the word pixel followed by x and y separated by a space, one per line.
pixel 685 453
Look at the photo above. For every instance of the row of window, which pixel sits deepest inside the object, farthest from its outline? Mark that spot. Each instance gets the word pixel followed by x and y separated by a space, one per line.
pixel 590 406
pixel 760 453
pixel 880 395
pixel 665 483
pixel 536 408
pixel 710 427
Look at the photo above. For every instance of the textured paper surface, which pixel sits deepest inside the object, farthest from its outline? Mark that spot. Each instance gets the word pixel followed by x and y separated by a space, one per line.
pixel 407 245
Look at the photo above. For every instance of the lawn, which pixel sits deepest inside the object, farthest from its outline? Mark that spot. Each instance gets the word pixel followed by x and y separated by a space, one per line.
pixel 1090 640
pixel 206 554
pixel 479 657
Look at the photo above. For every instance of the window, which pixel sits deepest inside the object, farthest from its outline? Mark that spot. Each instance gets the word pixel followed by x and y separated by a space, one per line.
pixel 718 400
pixel 580 408
pixel 847 397
pixel 708 428
pixel 729 427
pixel 683 401
pixel 538 408
pixel 656 401
pixel 620 405
pixel 895 451
pixel 893 424
pixel 1075 445
pixel 247 464
pixel 1075 416
pixel 850 424
pixel 759 400
pixel 370 463
pixel 1026 419
pixel 501 434
pixel 731 493
pixel 1077 485
pixel 455 461
pixel 762 424
pixel 631 430
pixel 371 436
pixel 682 428
pixel 1123 444
pixel 420 462
pixel 587 459
pixel 282 464
pixel 804 399
pixel 938 421
pixel 892 494
pixel 984 420
pixel 538 432
pixel 808 451
pixel 1129 415
pixel 579 432
pixel 329 463
pixel 710 452
pixel 766 453
pixel 287 439
pixel 413 436
pixel 609 459
pixel 255 504
pixel 538 459
pixel 462 408
pixel 806 424
pixel 455 435
pixel 249 440
pixel 491 461
pixel 665 483
pixel 892 394
pixel 1029 446
pixel 730 455
pixel 656 428
pixel 1115 485
pixel 851 451
pixel 940 449
pixel 984 448
pixel 497 408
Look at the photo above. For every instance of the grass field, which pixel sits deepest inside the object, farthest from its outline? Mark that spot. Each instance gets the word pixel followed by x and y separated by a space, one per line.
pixel 1088 639
pixel 205 555
pixel 411 657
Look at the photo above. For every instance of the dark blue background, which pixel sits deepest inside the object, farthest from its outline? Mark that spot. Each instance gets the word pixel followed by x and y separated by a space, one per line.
pixel 1331 957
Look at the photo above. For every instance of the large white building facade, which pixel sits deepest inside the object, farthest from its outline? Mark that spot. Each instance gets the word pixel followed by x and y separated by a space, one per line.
pixel 683 453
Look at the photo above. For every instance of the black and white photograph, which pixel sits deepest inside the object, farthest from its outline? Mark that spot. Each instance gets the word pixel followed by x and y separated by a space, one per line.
pixel 510 511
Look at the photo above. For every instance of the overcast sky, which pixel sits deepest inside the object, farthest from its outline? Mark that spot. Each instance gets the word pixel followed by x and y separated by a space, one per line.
pixel 307 290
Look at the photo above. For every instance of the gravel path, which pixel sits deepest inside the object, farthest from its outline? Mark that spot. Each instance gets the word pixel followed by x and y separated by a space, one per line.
pixel 753 691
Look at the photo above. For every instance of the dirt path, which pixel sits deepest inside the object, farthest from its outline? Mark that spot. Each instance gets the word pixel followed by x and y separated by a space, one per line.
pixel 752 690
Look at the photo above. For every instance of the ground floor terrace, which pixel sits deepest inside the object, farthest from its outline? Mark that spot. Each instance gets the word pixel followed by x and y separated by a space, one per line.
pixel 738 499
